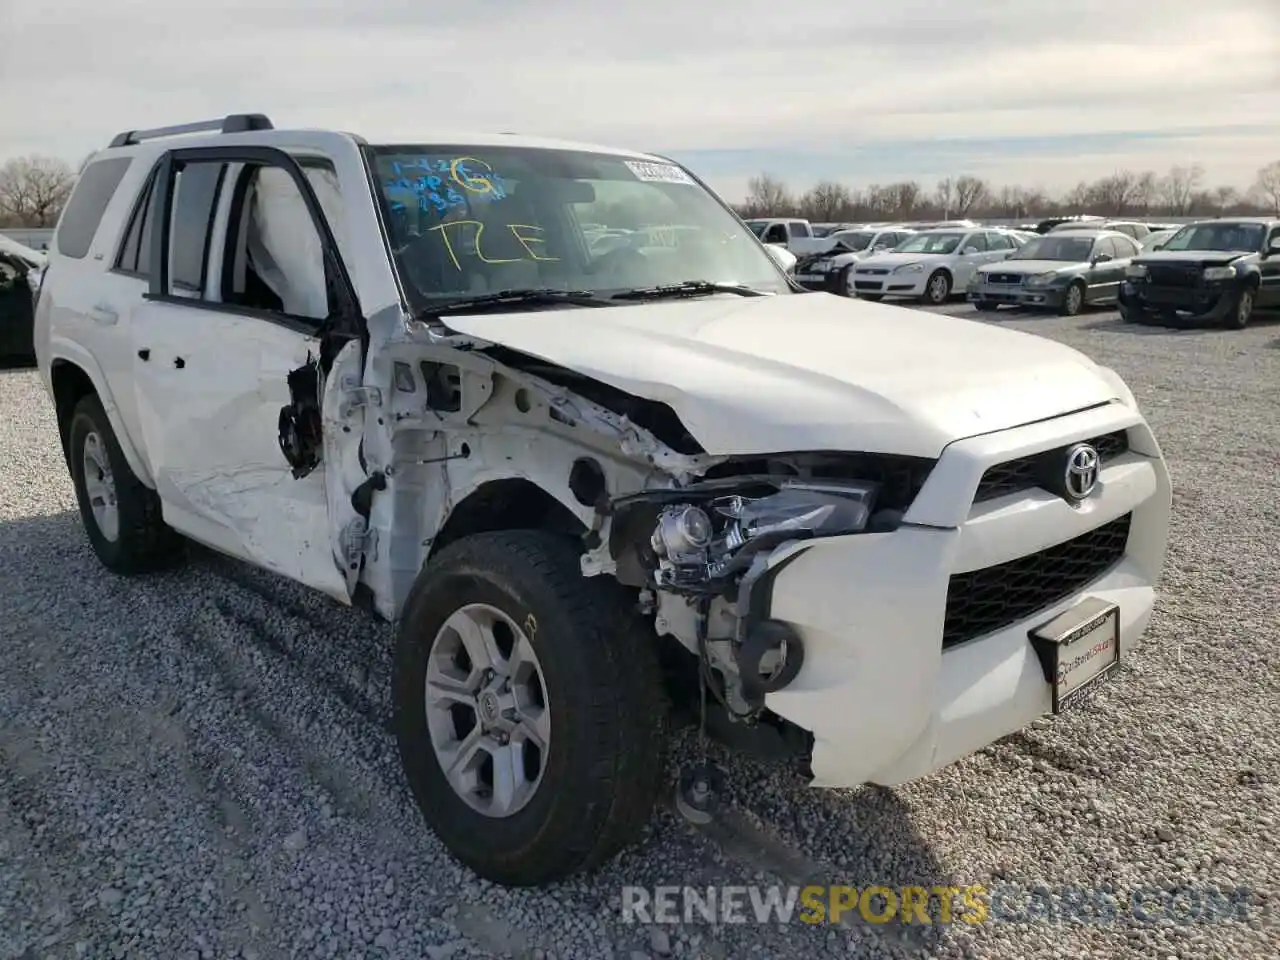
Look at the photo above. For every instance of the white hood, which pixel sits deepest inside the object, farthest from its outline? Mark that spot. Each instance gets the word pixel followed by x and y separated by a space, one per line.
pixel 809 371
pixel 901 259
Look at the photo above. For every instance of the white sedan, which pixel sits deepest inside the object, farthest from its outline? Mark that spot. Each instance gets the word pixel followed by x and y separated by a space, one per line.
pixel 932 265
pixel 833 270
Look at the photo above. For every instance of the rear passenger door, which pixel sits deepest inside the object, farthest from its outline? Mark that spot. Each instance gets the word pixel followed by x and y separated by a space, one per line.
pixel 245 282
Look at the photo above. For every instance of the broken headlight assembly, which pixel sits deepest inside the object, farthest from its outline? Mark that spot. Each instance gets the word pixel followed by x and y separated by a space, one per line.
pixel 701 546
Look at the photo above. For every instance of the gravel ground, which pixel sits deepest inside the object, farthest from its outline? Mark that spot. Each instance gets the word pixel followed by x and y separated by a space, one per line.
pixel 198 765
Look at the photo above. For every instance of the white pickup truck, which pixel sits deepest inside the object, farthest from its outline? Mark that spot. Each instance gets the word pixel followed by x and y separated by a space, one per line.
pixel 795 235
pixel 588 485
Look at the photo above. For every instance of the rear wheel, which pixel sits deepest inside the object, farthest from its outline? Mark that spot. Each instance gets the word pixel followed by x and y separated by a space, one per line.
pixel 937 290
pixel 528 708
pixel 121 515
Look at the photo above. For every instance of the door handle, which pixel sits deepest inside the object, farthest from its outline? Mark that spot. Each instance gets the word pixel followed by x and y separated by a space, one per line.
pixel 144 353
pixel 103 315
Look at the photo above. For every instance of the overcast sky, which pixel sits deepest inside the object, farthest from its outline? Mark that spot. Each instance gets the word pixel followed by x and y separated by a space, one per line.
pixel 1041 92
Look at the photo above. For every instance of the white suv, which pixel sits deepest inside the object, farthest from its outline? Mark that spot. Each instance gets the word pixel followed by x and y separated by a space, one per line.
pixel 585 486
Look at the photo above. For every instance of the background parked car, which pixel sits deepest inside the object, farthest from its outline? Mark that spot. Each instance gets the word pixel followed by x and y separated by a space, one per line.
pixel 1156 239
pixel 1130 228
pixel 20 270
pixel 832 270
pixel 931 265
pixel 1063 271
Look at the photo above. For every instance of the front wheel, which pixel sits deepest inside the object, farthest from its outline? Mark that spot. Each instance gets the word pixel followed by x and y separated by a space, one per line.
pixel 985 306
pixel 938 289
pixel 528 708
pixel 1073 300
pixel 844 283
pixel 1243 311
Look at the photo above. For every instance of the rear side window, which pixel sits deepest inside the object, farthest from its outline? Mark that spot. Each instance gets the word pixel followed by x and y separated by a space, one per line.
pixel 94 190
pixel 135 252
pixel 195 194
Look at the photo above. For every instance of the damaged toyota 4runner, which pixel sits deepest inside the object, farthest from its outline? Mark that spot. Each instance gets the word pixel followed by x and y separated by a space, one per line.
pixel 554 411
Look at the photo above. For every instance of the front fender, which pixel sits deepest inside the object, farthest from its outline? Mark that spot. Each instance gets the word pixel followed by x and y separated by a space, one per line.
pixel 68 351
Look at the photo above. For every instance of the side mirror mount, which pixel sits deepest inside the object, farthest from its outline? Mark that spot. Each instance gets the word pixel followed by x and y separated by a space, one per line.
pixel 1103 258
pixel 1157 246
pixel 968 251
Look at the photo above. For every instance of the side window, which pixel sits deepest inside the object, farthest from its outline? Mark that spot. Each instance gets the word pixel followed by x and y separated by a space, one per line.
pixel 976 240
pixel 1274 236
pixel 1126 249
pixel 134 257
pixel 800 230
pixel 998 241
pixel 274 259
pixel 1105 245
pixel 776 234
pixel 194 199
pixel 88 202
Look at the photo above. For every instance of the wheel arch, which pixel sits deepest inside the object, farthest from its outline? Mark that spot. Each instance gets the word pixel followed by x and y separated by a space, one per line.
pixel 71 378
pixel 507 503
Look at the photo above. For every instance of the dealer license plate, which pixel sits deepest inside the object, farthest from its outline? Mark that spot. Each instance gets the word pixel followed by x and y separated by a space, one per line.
pixel 1079 649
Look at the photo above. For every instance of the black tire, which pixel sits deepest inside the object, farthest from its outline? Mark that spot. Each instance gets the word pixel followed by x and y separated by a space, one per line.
pixel 937 289
pixel 1073 299
pixel 1242 310
pixel 143 541
pixel 605 763
pixel 984 307
pixel 844 287
pixel 873 297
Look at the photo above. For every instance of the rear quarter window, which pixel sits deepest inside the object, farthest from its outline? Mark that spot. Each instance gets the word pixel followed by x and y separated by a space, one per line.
pixel 89 199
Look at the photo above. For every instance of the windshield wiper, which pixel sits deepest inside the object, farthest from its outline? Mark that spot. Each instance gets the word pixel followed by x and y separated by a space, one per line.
pixel 688 288
pixel 542 297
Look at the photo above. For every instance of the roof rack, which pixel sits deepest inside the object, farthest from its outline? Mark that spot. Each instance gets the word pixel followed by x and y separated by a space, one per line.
pixel 231 123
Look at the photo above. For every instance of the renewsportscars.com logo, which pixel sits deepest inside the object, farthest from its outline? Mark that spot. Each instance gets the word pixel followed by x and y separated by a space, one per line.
pixel 973 904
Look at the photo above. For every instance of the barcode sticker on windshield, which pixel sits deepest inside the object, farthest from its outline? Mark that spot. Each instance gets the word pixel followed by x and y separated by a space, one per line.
pixel 658 172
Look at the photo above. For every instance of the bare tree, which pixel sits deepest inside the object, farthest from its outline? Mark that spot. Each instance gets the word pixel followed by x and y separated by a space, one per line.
pixel 1115 194
pixel 1178 186
pixel 903 198
pixel 1267 187
pixel 970 192
pixel 827 201
pixel 1145 190
pixel 33 190
pixel 767 195
pixel 1078 198
pixel 945 192
pixel 1224 197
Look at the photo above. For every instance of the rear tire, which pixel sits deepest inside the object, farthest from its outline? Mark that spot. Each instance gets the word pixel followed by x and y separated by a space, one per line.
pixel 592 790
pixel 121 515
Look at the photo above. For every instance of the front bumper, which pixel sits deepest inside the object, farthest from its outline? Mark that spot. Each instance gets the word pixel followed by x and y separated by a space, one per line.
pixel 824 282
pixel 883 699
pixel 1016 295
pixel 1209 303
pixel 890 284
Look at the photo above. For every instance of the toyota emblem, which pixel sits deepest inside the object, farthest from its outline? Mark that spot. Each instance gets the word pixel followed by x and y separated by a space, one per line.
pixel 1080 475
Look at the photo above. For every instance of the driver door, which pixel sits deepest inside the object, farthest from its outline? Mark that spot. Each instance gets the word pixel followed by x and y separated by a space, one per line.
pixel 245 283
pixel 1269 268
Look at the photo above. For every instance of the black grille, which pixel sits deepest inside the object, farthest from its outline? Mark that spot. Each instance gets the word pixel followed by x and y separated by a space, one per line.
pixel 984 601
pixel 1025 473
pixel 1163 275
pixel 1010 278
pixel 874 272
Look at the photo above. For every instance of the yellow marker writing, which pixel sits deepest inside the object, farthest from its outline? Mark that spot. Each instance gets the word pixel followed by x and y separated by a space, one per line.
pixel 473 184
pixel 515 229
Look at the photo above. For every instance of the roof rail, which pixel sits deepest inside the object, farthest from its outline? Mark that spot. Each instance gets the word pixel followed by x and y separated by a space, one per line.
pixel 231 123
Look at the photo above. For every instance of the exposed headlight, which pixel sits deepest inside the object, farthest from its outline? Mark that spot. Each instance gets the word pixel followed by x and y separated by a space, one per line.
pixel 1136 270
pixel 910 268
pixel 1219 273
pixel 700 544
pixel 1041 279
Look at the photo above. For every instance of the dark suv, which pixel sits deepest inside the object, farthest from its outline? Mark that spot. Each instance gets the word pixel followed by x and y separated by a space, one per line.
pixel 1214 271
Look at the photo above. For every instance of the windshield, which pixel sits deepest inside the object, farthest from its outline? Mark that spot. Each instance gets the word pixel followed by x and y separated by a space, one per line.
pixel 930 243
pixel 1224 237
pixel 1052 247
pixel 474 220
pixel 856 241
